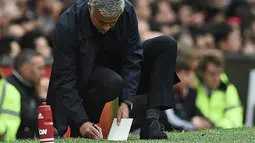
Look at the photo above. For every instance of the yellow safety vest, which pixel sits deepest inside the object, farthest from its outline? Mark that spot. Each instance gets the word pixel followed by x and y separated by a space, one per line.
pixel 10 106
pixel 222 107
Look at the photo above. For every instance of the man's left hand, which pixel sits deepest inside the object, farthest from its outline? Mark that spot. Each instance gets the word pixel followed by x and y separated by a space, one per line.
pixel 123 112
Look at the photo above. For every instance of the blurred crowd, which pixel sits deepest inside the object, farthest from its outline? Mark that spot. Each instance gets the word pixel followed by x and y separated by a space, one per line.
pixel 201 28
pixel 29 24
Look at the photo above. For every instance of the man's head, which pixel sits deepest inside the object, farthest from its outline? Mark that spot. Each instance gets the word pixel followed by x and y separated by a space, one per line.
pixel 36 41
pixel 185 14
pixel 30 66
pixel 105 13
pixel 203 37
pixel 142 8
pixel 211 68
pixel 9 47
pixel 227 38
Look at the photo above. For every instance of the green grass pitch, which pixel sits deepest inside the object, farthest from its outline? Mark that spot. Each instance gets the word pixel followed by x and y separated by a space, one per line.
pixel 238 135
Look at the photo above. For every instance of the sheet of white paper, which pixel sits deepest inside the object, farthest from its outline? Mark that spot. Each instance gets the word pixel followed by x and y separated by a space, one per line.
pixel 120 133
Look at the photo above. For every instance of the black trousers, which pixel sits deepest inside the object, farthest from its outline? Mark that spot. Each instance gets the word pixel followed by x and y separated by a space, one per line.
pixel 157 79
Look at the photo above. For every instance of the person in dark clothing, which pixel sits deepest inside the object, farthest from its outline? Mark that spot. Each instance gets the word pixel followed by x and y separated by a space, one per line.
pixel 28 69
pixel 184 115
pixel 98 56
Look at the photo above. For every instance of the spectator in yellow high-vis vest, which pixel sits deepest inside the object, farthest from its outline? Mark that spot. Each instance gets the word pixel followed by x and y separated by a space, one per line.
pixel 217 98
pixel 9 111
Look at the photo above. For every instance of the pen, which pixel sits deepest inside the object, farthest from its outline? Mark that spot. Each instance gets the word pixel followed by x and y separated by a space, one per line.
pixel 94 125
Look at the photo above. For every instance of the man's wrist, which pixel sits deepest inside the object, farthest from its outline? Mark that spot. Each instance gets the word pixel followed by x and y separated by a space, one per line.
pixel 128 103
pixel 81 123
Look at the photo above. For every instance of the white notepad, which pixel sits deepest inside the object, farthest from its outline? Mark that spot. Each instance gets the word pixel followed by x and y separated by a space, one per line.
pixel 120 133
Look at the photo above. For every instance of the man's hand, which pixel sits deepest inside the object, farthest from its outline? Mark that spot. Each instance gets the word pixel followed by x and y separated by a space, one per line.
pixel 196 121
pixel 123 112
pixel 207 124
pixel 200 123
pixel 87 130
pixel 42 87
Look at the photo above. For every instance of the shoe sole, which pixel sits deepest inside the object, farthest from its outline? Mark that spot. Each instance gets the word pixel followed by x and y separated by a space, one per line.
pixel 154 138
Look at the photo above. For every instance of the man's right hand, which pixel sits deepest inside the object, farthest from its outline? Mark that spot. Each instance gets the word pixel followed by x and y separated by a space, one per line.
pixel 87 130
pixel 200 123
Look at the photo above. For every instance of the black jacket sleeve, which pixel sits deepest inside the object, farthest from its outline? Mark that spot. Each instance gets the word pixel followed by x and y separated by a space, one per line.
pixel 64 68
pixel 131 69
pixel 193 96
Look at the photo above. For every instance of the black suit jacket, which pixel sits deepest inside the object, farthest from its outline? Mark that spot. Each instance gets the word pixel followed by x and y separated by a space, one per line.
pixel 75 45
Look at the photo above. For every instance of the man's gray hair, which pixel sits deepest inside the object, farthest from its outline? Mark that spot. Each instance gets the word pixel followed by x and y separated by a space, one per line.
pixel 107 8
pixel 24 57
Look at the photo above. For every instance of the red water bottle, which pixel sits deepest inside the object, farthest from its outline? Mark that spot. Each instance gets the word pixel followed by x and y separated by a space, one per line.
pixel 45 124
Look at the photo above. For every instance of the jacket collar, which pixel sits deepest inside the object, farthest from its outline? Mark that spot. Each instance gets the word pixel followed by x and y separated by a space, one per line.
pixel 223 85
pixel 86 27
pixel 21 79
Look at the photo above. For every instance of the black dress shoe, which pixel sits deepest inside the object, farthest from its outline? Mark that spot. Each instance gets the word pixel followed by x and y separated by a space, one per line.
pixel 152 129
